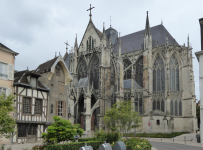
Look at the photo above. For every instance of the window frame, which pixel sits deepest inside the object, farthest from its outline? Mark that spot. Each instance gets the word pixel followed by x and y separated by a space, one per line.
pixel 26 105
pixel 2 75
pixel 61 109
pixel 35 112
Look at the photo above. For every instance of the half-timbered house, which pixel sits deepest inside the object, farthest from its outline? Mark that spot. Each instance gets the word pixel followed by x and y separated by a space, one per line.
pixel 31 106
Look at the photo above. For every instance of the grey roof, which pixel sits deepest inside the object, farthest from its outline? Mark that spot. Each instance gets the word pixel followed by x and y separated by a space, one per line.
pixel 113 33
pixel 66 59
pixel 82 82
pixel 135 40
pixel 127 84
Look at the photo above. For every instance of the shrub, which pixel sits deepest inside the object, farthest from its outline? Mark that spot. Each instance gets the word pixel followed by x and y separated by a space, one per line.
pixel 74 146
pixel 39 147
pixel 86 139
pixel 154 135
pixel 137 144
pixel 61 130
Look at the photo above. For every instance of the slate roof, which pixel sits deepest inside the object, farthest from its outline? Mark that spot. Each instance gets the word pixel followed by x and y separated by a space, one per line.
pixel 82 82
pixel 8 49
pixel 135 40
pixel 46 67
pixel 127 84
pixel 21 78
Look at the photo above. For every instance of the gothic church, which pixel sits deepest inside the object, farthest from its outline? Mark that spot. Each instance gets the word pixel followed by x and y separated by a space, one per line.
pixel 148 67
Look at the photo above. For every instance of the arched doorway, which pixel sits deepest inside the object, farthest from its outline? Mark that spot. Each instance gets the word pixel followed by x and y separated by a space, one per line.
pixel 94 118
pixel 80 119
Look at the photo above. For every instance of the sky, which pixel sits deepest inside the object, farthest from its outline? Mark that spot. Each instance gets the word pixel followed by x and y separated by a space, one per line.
pixel 36 29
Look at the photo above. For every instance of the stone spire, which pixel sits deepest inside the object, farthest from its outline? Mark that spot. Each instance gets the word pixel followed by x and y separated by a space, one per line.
pixel 119 49
pixel 76 43
pixel 147 27
pixel 104 33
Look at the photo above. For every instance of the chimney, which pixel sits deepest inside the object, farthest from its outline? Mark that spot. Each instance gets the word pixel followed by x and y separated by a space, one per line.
pixel 201 32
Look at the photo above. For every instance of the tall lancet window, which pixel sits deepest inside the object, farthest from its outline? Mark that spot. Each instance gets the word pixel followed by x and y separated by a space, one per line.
pixel 174 74
pixel 158 84
pixel 82 70
pixel 139 72
pixel 175 94
pixel 94 72
pixel 90 43
pixel 127 74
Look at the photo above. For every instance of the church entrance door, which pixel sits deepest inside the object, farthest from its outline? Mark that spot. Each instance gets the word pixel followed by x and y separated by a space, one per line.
pixel 93 121
pixel 81 119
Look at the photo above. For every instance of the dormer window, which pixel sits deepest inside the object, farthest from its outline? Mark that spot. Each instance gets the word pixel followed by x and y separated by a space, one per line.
pixel 33 82
pixel 58 71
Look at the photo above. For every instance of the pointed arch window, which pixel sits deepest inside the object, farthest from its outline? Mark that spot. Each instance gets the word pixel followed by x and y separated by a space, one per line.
pixel 127 74
pixel 94 72
pixel 174 74
pixel 82 70
pixel 139 71
pixel 90 43
pixel 158 84
pixel 158 75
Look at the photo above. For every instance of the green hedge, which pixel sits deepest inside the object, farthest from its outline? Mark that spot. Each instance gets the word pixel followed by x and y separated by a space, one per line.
pixel 86 139
pixel 74 145
pixel 154 135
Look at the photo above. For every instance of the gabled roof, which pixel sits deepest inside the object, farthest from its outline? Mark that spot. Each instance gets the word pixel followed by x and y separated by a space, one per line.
pixel 127 84
pixel 133 41
pixel 20 78
pixel 8 49
pixel 97 31
pixel 46 67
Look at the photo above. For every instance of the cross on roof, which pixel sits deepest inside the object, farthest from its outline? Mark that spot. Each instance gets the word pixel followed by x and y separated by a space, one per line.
pixel 90 10
pixel 110 21
pixel 67 46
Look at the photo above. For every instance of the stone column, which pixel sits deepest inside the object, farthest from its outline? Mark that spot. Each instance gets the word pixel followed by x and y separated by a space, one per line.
pixel 88 115
pixel 71 104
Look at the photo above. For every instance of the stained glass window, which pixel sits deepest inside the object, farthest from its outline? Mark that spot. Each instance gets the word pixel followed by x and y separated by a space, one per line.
pixel 140 105
pixel 82 70
pixel 139 71
pixel 154 105
pixel 158 105
pixel 174 74
pixel 158 75
pixel 171 107
pixel 127 74
pixel 94 72
pixel 162 105
pixel 176 108
pixel 180 108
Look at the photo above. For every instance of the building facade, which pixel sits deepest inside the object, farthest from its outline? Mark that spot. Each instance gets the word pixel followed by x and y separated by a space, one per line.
pixel 199 56
pixel 7 63
pixel 41 95
pixel 148 67
pixel 31 105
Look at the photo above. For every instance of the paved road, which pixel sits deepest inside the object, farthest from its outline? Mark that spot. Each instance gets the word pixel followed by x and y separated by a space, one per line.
pixel 173 146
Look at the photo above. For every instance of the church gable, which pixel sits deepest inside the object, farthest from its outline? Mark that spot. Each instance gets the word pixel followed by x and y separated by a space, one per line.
pixel 91 38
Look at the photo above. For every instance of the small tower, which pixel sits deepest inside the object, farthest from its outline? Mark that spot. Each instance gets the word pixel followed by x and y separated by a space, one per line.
pixel 147 35
pixel 75 59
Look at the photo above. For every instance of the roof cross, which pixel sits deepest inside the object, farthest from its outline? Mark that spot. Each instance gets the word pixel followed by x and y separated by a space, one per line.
pixel 110 21
pixel 67 46
pixel 90 10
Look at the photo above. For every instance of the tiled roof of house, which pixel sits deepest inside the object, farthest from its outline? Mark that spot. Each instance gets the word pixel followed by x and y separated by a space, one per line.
pixel 8 49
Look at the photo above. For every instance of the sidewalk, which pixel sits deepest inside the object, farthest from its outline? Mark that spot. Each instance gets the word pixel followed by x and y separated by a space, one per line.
pixel 190 140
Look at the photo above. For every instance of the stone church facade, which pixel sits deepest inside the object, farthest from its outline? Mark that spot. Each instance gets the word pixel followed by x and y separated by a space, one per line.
pixel 148 67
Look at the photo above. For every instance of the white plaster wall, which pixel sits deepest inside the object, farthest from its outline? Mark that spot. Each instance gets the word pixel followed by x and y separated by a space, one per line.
pixel 29 92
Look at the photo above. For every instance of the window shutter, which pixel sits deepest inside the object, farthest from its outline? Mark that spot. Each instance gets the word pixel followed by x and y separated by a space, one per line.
pixel 56 106
pixel 64 109
pixel 10 72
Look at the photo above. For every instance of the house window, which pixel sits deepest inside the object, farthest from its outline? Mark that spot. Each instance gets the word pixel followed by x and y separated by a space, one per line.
pixel 38 106
pixel 2 90
pixel 3 70
pixel 58 73
pixel 33 82
pixel 26 105
pixel 60 108
pixel 158 122
pixel 22 130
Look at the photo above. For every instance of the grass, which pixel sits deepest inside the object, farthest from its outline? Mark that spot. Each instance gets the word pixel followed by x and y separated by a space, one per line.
pixel 155 135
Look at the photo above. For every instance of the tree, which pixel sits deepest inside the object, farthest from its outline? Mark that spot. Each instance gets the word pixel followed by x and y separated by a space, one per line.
pixel 7 122
pixel 61 130
pixel 122 116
